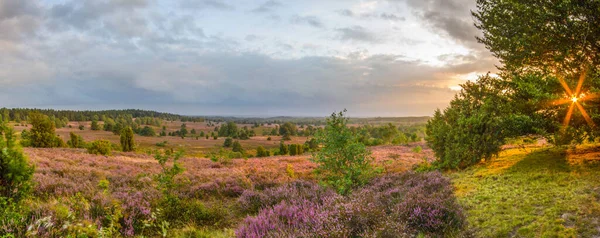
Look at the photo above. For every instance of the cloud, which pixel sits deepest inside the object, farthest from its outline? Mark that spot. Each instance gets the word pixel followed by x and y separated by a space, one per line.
pixel 309 20
pixel 204 4
pixel 371 15
pixel 356 33
pixel 267 6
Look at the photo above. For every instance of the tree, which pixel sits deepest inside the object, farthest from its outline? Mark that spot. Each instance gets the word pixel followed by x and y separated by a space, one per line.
pixel 237 147
pixel 147 131
pixel 342 163
pixel 287 130
pixel 262 152
pixel 183 131
pixel 549 36
pixel 43 132
pixel 127 142
pixel 15 171
pixel 75 141
pixel 476 124
pixel 228 130
pixel 228 142
pixel 283 148
pixel 100 147
pixel 95 125
pixel 293 148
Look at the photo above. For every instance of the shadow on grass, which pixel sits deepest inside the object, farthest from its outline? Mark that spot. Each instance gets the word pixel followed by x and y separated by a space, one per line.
pixel 543 160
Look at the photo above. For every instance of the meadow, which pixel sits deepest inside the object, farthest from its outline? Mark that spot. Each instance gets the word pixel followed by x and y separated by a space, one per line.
pixel 531 189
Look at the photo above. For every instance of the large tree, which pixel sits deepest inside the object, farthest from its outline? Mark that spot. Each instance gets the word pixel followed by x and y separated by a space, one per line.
pixel 43 132
pixel 555 36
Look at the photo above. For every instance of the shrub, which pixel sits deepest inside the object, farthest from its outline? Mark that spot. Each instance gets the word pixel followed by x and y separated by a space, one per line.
pixel 75 141
pixel 283 148
pixel 162 144
pixel 343 162
pixel 228 142
pixel 15 171
pixel 417 149
pixel 100 147
pixel 269 138
pixel 262 152
pixel 237 147
pixel 406 205
pixel 252 201
pixel 293 148
pixel 95 126
pixel 43 132
pixel 147 131
pixel 81 127
pixel 127 143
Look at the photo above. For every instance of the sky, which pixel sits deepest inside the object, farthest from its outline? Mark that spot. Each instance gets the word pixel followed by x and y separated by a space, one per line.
pixel 239 58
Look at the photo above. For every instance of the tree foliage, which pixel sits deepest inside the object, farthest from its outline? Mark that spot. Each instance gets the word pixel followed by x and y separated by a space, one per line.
pixel 127 141
pixel 553 36
pixel 15 171
pixel 43 132
pixel 342 162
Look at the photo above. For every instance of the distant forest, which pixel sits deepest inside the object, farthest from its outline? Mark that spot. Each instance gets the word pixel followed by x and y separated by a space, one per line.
pixel 20 114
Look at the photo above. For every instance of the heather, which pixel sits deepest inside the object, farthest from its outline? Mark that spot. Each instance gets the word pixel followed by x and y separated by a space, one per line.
pixel 405 204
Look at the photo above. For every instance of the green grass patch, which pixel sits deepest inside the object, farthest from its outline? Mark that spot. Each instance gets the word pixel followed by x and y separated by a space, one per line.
pixel 539 193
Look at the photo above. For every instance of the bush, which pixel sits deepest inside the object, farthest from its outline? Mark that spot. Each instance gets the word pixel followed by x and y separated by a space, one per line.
pixel 343 162
pixel 147 131
pixel 15 171
pixel 43 132
pixel 262 152
pixel 81 127
pixel 405 205
pixel 127 143
pixel 100 147
pixel 283 148
pixel 237 147
pixel 75 141
pixel 228 142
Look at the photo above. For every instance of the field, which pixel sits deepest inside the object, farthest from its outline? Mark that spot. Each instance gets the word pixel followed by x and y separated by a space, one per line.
pixel 530 190
pixel 65 178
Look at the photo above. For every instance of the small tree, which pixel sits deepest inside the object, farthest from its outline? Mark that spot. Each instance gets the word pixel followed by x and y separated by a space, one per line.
pixel 127 142
pixel 293 149
pixel 95 126
pixel 15 171
pixel 237 147
pixel 100 147
pixel 262 152
pixel 166 179
pixel 43 131
pixel 228 142
pixel 343 162
pixel 283 148
pixel 75 141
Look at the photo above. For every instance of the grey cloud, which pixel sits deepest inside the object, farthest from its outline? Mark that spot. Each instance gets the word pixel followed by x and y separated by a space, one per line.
pixel 267 6
pixel 382 16
pixel 201 4
pixel 310 20
pixel 450 16
pixel 356 33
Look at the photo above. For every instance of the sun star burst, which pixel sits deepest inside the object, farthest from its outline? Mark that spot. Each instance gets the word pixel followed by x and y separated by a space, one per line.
pixel 575 98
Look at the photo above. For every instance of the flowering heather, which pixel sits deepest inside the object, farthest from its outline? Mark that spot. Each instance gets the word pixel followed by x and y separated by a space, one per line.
pixel 393 205
pixel 301 218
pixel 251 201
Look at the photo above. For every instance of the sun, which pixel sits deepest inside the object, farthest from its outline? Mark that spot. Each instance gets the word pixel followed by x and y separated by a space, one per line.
pixel 574 99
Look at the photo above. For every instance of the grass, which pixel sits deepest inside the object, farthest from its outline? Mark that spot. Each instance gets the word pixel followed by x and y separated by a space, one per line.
pixel 549 192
